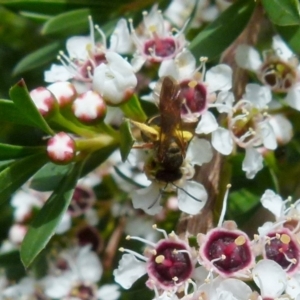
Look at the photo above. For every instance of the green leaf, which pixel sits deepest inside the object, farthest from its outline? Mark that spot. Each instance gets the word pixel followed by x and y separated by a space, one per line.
pixel 22 100
pixel 127 139
pixel 69 23
pixel 18 172
pixel 291 35
pixel 11 151
pixel 97 158
pixel 9 113
pixel 282 12
pixel 218 35
pixel 12 264
pixel 132 109
pixel 49 177
pixel 37 58
pixel 43 226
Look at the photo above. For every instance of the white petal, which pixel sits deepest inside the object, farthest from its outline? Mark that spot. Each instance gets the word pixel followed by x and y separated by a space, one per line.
pixel 77 47
pixel 222 141
pixel 219 78
pixel 207 124
pixel 199 151
pixel 268 136
pixel 237 288
pixel 293 286
pixel 270 278
pixel 130 269
pixel 137 62
pixel 120 40
pixel 57 73
pixel 88 265
pixel 259 95
pixel 59 286
pixel 282 128
pixel 64 224
pixel 273 203
pixel 281 48
pixel 265 228
pixel 147 199
pixel 293 97
pixel 186 201
pixel 252 163
pixel 168 68
pixel 226 99
pixel 248 58
pixel 186 64
pixel 108 292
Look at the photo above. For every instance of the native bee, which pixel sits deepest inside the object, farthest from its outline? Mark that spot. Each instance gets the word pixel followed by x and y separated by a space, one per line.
pixel 165 134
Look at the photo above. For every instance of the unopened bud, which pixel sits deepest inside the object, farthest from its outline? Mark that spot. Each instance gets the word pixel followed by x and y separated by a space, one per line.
pixel 89 107
pixel 44 100
pixel 61 148
pixel 64 92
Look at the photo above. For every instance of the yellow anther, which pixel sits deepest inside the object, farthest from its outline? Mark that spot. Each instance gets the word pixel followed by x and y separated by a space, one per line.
pixel 285 238
pixel 240 240
pixel 192 83
pixel 128 237
pixel 159 259
pixel 121 249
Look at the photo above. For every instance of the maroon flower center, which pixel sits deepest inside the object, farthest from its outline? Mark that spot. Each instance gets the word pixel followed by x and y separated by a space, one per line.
pixel 89 236
pixel 171 264
pixel 282 249
pixel 277 74
pixel 230 251
pixel 195 97
pixel 160 47
pixel 83 292
pixel 82 199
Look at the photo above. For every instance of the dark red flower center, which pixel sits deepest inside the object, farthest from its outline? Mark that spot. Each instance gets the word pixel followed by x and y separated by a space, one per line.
pixel 195 97
pixel 230 251
pixel 282 249
pixel 160 47
pixel 171 264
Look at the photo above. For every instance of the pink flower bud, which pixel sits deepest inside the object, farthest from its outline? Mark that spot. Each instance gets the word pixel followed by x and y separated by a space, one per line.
pixel 64 92
pixel 16 233
pixel 43 100
pixel 89 107
pixel 61 148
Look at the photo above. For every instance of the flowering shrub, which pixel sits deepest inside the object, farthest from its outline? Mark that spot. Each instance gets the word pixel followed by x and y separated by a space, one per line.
pixel 157 158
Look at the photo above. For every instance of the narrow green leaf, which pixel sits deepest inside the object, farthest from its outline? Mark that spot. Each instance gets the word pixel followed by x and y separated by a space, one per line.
pixel 18 172
pixel 49 177
pixel 12 264
pixel 127 139
pixel 43 226
pixel 68 23
pixel 11 151
pixel 218 35
pixel 9 113
pixel 282 12
pixel 133 110
pixel 21 98
pixel 37 58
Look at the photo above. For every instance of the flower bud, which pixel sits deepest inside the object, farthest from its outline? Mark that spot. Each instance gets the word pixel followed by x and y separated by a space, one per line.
pixel 43 100
pixel 89 107
pixel 61 148
pixel 63 91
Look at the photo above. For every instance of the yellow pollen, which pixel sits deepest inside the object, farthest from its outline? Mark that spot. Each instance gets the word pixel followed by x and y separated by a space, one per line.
pixel 153 252
pixel 175 251
pixel 128 237
pixel 175 278
pixel 203 59
pixel 159 259
pixel 256 237
pixel 152 28
pixel 192 83
pixel 172 234
pixel 228 186
pixel 154 226
pixel 121 249
pixel 285 239
pixel 239 241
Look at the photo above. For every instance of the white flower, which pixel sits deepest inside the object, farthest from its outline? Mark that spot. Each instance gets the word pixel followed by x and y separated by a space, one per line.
pixel 155 42
pixel 270 278
pixel 24 289
pixel 115 80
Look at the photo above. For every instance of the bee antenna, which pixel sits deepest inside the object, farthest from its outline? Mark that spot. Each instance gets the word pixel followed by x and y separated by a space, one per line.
pixel 180 188
pixel 159 196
